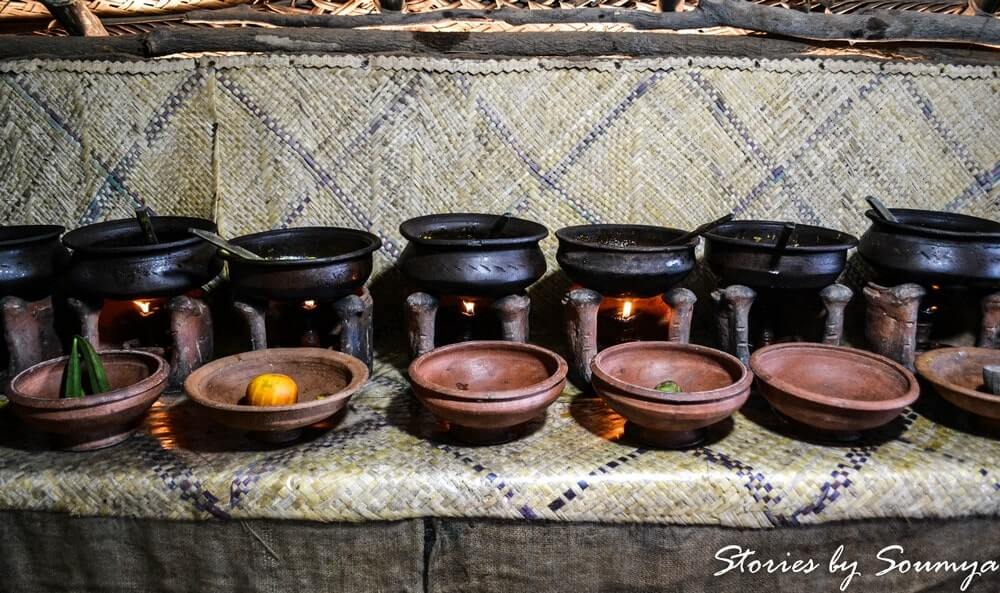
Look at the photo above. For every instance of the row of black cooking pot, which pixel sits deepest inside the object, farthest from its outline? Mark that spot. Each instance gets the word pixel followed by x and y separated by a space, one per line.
pixel 482 254
pixel 113 260
pixel 456 253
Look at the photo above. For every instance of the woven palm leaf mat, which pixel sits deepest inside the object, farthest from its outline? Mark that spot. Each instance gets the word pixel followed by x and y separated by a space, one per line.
pixel 265 142
pixel 388 459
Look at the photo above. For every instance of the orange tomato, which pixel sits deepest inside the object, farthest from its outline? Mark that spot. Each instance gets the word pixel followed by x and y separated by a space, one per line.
pixel 272 389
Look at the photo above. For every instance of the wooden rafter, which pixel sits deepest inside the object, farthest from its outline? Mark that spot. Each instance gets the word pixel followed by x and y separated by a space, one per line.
pixel 876 26
pixel 75 17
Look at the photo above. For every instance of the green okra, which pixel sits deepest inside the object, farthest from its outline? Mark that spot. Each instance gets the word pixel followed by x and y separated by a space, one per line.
pixel 96 376
pixel 73 386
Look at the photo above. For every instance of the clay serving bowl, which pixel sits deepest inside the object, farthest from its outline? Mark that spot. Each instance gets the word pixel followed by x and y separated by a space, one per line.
pixel 715 385
pixel 487 390
pixel 957 375
pixel 82 424
pixel 834 390
pixel 326 381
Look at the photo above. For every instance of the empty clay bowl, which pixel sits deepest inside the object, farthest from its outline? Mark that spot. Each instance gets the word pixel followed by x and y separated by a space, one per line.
pixel 137 379
pixel 486 390
pixel 835 390
pixel 326 379
pixel 957 375
pixel 714 384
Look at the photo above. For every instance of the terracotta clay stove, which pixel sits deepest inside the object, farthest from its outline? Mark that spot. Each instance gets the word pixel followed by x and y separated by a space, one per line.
pixel 776 281
pixel 468 274
pixel 128 293
pixel 624 277
pixel 932 269
pixel 29 258
pixel 309 290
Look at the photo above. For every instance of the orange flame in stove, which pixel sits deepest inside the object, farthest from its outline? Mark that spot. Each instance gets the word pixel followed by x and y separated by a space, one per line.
pixel 468 308
pixel 144 307
pixel 626 312
pixel 309 305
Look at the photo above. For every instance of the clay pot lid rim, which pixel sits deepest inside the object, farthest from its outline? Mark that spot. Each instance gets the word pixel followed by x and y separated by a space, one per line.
pixel 924 361
pixel 537 231
pixel 632 390
pixel 37 233
pixel 444 392
pixel 907 398
pixel 71 239
pixel 157 377
pixel 565 235
pixel 358 370
pixel 846 242
pixel 372 244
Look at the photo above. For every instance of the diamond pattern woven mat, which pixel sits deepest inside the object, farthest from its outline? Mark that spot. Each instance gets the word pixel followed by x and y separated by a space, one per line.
pixel 367 142
pixel 388 459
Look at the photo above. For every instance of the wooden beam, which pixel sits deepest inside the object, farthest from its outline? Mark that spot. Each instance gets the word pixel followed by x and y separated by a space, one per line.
pixel 637 19
pixel 877 26
pixel 75 17
pixel 874 26
pixel 173 40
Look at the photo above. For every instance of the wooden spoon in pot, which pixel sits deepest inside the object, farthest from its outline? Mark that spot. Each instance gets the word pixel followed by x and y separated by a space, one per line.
pixel 223 244
pixel 700 230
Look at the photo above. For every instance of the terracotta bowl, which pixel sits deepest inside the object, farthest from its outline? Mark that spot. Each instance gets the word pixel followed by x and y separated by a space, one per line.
pixel 715 385
pixel 220 388
pixel 834 390
pixel 957 375
pixel 137 379
pixel 487 390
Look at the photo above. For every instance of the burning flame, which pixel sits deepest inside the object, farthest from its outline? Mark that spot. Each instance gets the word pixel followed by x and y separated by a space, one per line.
pixel 144 307
pixel 626 312
pixel 469 308
pixel 309 305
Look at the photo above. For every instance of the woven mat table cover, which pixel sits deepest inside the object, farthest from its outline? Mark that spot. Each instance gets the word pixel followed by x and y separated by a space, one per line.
pixel 265 142
pixel 388 460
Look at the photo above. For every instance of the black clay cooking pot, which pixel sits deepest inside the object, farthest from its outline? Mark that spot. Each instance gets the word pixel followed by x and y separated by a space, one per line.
pixel 624 259
pixel 455 254
pixel 112 259
pixel 746 252
pixel 933 247
pixel 322 263
pixel 30 256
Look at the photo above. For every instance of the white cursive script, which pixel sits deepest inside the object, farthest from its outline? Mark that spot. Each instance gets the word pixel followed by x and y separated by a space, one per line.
pixel 740 560
pixel 893 557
